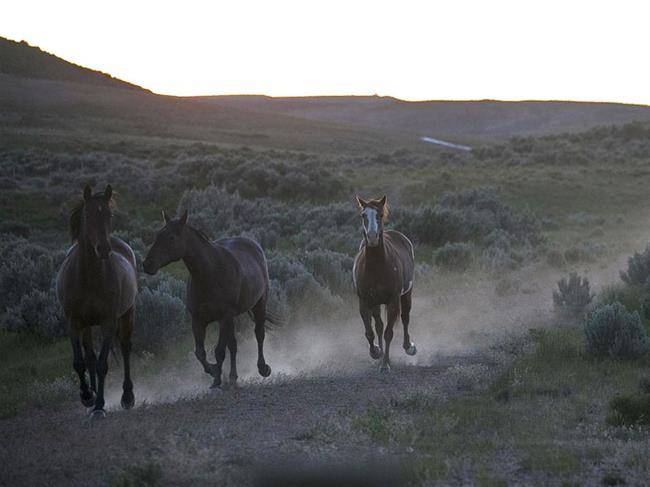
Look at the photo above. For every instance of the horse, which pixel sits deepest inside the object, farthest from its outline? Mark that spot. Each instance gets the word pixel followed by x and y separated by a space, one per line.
pixel 228 277
pixel 97 285
pixel 383 274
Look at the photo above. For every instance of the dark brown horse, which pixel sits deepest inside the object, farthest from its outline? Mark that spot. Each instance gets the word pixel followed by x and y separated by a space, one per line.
pixel 96 285
pixel 228 277
pixel 383 274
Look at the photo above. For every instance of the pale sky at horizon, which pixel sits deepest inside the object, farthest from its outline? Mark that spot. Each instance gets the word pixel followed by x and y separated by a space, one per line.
pixel 414 50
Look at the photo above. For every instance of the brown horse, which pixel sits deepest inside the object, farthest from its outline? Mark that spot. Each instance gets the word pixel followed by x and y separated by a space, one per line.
pixel 96 285
pixel 228 277
pixel 383 274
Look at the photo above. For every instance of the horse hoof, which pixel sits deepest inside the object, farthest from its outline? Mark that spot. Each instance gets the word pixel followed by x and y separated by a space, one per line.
pixel 97 414
pixel 216 384
pixel 89 400
pixel 384 368
pixel 411 350
pixel 264 370
pixel 375 352
pixel 128 400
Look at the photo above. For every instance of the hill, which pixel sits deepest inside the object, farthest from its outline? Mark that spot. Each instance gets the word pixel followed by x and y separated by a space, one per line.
pixel 44 94
pixel 25 61
pixel 459 121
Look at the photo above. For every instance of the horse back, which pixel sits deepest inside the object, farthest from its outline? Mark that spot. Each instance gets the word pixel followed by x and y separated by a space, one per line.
pixel 401 249
pixel 252 266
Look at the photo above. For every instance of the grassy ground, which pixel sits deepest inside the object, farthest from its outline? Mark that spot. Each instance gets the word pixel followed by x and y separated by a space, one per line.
pixel 33 373
pixel 542 421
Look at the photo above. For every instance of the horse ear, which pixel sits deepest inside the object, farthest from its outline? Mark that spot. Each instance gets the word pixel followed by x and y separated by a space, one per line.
pixel 108 192
pixel 362 203
pixel 165 217
pixel 183 219
pixel 88 192
pixel 382 201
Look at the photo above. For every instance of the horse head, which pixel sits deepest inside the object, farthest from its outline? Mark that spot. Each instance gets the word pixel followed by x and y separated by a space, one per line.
pixel 373 213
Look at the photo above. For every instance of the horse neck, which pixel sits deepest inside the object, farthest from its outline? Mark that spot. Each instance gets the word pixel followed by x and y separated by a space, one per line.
pixel 92 268
pixel 200 254
pixel 376 255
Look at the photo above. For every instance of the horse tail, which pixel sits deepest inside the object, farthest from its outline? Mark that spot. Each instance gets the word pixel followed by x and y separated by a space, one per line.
pixel 271 320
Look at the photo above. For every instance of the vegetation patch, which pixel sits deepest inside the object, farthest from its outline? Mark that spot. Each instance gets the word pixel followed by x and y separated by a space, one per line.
pixel 613 331
pixel 572 296
pixel 147 475
pixel 629 410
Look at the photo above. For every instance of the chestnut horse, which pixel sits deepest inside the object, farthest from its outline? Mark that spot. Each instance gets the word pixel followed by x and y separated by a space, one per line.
pixel 228 277
pixel 96 286
pixel 383 274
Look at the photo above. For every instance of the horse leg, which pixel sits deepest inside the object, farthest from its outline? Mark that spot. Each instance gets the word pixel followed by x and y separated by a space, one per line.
pixel 226 330
pixel 379 326
pixel 108 332
pixel 366 315
pixel 409 346
pixel 86 394
pixel 232 350
pixel 125 331
pixel 90 357
pixel 259 316
pixel 198 329
pixel 393 313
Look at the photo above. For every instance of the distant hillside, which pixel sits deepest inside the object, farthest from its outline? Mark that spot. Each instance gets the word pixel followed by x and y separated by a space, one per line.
pixel 25 61
pixel 42 92
pixel 458 121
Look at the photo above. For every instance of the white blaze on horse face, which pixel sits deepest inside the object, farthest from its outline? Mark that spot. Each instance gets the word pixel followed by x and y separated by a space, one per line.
pixel 371 226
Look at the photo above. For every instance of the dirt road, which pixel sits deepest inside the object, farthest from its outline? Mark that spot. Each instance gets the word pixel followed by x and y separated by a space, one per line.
pixel 237 436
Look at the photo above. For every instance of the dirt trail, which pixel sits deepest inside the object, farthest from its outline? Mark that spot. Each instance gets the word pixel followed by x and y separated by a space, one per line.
pixel 225 437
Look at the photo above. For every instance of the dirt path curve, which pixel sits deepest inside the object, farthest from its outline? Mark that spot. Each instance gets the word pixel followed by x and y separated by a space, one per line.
pixel 222 438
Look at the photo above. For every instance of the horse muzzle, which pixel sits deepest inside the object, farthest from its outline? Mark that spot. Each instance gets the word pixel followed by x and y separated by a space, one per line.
pixel 372 239
pixel 103 251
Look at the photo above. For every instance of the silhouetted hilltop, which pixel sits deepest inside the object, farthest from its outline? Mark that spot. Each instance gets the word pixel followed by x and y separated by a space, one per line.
pixel 25 61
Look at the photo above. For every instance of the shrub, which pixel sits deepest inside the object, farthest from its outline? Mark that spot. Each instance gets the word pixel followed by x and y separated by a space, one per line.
pixel 159 319
pixel 629 296
pixel 638 268
pixel 330 269
pixel 456 257
pixel 555 259
pixel 613 331
pixel 629 410
pixel 572 296
pixel 25 267
pixel 584 252
pixel 38 312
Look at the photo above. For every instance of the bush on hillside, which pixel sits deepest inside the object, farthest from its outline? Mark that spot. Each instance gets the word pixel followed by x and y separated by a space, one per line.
pixel 39 313
pixel 572 296
pixel 456 257
pixel 629 410
pixel 638 268
pixel 25 267
pixel 159 320
pixel 612 331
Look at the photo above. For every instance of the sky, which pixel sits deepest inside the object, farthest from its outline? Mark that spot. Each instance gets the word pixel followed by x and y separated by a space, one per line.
pixel 415 50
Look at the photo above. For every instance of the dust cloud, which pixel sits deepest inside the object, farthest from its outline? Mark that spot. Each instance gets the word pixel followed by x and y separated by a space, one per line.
pixel 453 316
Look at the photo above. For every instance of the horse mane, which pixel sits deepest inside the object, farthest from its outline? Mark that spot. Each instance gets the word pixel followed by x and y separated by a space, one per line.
pixel 74 221
pixel 201 234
